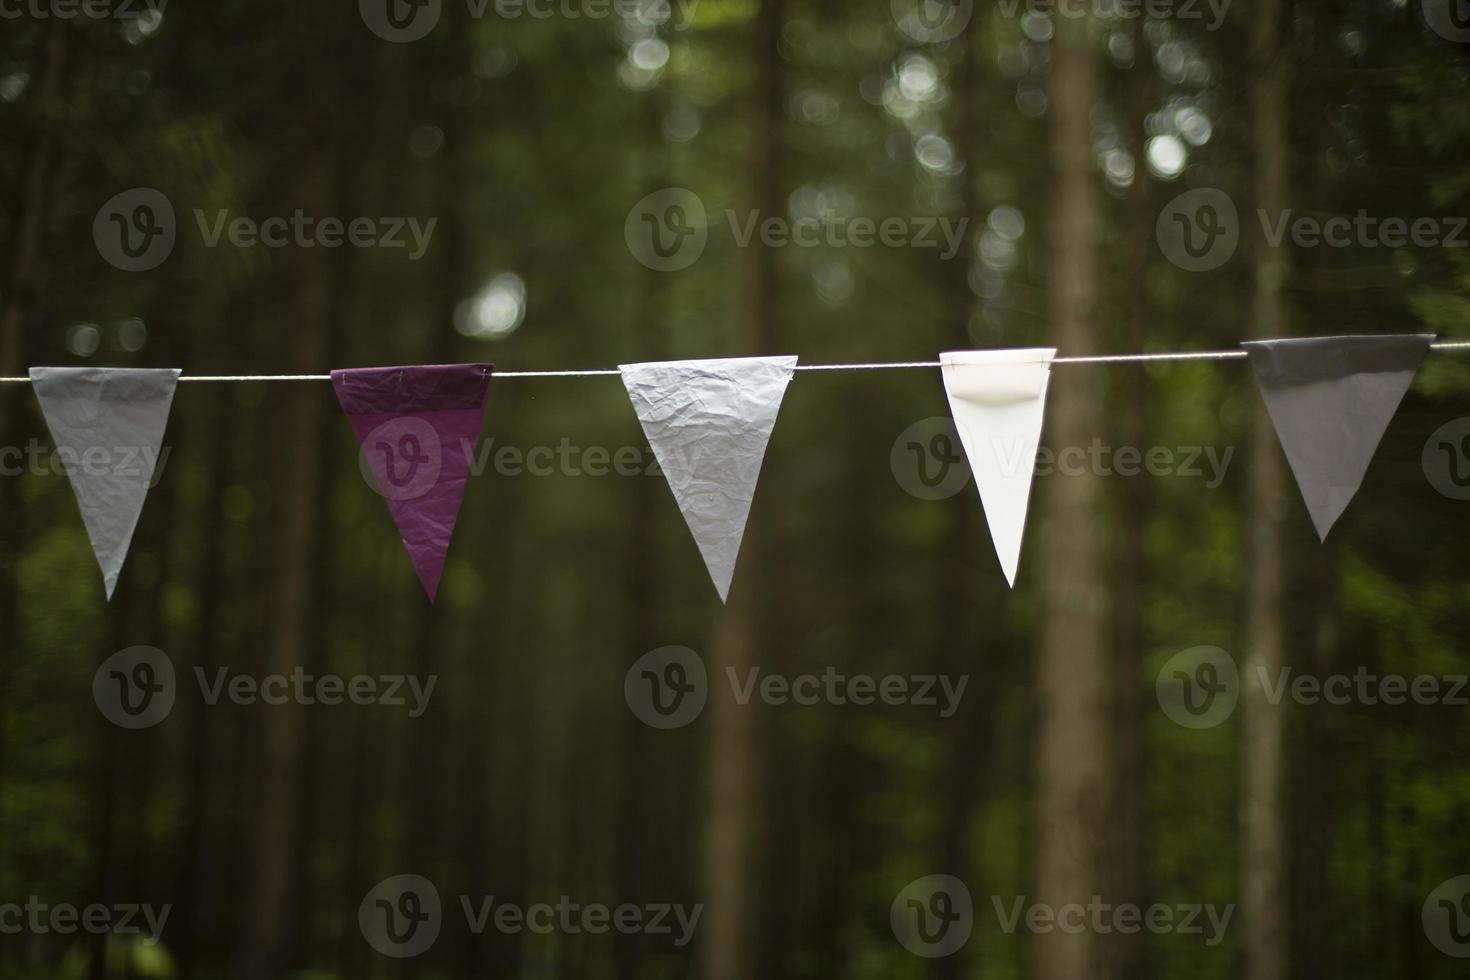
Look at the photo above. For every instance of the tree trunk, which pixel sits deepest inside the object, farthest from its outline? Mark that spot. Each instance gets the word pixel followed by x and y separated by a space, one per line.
pixel 1263 909
pixel 733 804
pixel 270 919
pixel 643 587
pixel 958 648
pixel 1126 876
pixel 1072 754
pixel 425 760
pixel 198 868
pixel 17 299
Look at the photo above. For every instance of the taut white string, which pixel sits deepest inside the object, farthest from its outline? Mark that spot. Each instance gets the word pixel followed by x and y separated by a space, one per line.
pixel 1204 355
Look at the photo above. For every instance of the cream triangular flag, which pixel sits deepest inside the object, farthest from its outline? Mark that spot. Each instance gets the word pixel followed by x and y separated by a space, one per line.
pixel 108 425
pixel 998 400
pixel 708 423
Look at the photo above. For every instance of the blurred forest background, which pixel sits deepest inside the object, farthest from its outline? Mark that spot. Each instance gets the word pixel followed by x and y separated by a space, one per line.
pixel 529 140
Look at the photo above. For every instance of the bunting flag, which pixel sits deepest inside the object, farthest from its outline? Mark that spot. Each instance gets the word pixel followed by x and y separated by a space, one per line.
pixel 708 423
pixel 1330 400
pixel 108 426
pixel 998 400
pixel 418 427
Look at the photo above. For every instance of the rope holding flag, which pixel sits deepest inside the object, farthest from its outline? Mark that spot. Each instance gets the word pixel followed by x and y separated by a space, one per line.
pixel 709 422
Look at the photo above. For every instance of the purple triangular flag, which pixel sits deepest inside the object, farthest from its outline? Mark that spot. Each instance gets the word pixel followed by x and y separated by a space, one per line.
pixel 418 427
pixel 1330 400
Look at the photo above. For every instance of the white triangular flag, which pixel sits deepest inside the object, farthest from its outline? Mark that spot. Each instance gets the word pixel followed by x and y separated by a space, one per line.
pixel 708 423
pixel 998 399
pixel 108 425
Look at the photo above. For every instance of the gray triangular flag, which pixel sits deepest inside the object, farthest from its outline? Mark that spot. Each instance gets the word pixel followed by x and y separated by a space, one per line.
pixel 708 423
pixel 108 425
pixel 1331 399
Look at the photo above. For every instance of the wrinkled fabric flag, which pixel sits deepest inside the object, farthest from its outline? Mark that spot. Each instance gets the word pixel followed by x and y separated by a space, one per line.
pixel 708 423
pixel 998 400
pixel 1331 400
pixel 108 426
pixel 418 427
